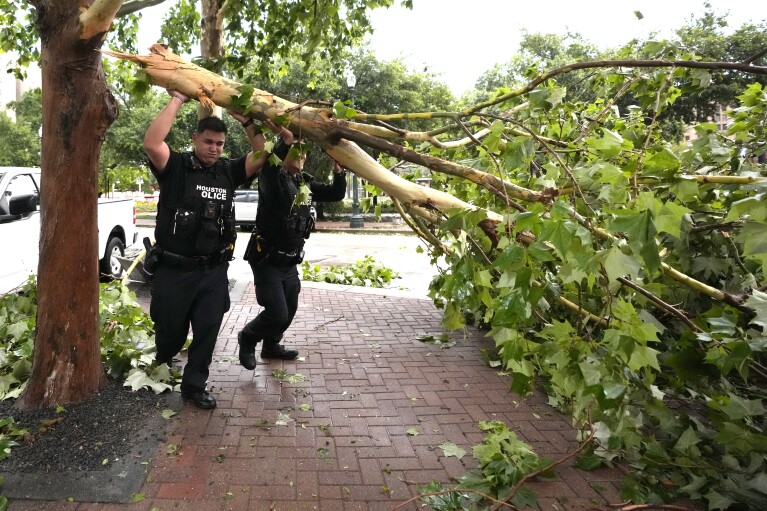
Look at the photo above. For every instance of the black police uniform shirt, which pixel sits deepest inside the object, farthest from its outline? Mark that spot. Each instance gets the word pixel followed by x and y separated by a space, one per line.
pixel 189 188
pixel 278 219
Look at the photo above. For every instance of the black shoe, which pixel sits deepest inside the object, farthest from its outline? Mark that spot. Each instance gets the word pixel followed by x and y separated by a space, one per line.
pixel 247 354
pixel 201 399
pixel 278 351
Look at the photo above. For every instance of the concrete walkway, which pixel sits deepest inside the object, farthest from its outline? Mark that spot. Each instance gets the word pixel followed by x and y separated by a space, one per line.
pixel 336 429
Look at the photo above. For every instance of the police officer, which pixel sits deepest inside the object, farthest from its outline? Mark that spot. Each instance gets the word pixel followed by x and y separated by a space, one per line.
pixel 283 223
pixel 195 235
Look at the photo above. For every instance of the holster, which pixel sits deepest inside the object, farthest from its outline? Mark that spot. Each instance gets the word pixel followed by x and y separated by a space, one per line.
pixel 151 258
pixel 260 252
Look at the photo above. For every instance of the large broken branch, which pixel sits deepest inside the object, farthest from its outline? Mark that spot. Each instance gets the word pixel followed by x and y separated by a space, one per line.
pixel 170 71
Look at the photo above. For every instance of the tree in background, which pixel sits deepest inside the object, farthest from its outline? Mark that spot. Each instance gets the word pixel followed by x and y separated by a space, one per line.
pixel 20 143
pixel 705 36
pixel 537 53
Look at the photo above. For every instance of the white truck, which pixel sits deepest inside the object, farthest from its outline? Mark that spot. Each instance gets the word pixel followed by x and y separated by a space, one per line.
pixel 20 228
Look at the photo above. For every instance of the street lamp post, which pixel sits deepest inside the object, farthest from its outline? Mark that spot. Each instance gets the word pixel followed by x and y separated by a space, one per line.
pixel 356 220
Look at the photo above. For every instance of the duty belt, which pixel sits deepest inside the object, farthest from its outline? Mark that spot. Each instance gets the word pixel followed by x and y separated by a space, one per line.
pixel 188 263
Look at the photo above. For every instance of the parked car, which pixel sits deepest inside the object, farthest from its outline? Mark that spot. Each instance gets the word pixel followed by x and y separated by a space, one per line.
pixel 245 207
pixel 20 228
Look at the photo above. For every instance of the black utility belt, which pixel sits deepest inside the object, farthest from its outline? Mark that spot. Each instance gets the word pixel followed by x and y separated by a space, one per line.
pixel 260 252
pixel 188 263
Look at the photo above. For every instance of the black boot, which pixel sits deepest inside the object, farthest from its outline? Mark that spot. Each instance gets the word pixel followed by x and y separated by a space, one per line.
pixel 247 353
pixel 277 351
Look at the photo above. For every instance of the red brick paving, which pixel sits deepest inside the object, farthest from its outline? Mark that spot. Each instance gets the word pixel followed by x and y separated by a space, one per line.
pixel 368 380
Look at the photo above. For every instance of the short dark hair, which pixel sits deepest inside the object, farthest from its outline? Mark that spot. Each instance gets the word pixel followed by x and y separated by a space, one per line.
pixel 211 124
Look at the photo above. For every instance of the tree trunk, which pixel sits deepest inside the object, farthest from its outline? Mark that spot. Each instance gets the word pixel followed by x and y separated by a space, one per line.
pixel 77 110
pixel 211 47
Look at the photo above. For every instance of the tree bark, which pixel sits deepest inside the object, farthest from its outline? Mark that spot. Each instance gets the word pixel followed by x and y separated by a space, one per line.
pixel 211 46
pixel 77 110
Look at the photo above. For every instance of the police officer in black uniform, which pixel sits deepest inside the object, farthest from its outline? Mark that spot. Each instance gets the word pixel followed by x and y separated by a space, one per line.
pixel 195 235
pixel 283 224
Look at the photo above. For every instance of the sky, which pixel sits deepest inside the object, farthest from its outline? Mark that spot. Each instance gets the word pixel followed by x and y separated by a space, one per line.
pixel 458 40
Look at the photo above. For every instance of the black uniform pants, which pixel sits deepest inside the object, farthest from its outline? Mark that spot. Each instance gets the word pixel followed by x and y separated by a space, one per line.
pixel 198 298
pixel 277 290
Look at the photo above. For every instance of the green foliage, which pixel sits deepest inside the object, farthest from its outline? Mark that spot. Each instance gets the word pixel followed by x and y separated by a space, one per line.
pixel 538 53
pixel 127 339
pixel 20 145
pixel 265 32
pixel 362 273
pixel 644 238
pixel 504 462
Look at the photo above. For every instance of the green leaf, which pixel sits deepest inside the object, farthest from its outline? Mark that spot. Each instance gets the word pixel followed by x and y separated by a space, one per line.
pixel 483 278
pixel 18 329
pixel 413 432
pixel 663 160
pixel 739 408
pixel 617 264
pixel 609 145
pixel 138 379
pixel 759 483
pixel 168 413
pixel 453 319
pixel 643 356
pixel 342 111
pixel 669 218
pixel 758 302
pixel 525 498
pixel 640 229
pixel 753 235
pixel 558 233
pixel 450 449
pixel 717 501
pixel 687 440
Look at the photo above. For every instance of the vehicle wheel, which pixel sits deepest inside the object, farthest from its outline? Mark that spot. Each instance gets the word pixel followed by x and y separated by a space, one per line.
pixel 110 266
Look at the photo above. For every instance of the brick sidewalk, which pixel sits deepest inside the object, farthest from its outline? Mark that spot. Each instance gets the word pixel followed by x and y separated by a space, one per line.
pixel 344 444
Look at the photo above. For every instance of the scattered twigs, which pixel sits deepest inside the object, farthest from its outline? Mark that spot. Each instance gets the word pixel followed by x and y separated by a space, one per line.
pixel 456 490
pixel 329 322
pixel 550 466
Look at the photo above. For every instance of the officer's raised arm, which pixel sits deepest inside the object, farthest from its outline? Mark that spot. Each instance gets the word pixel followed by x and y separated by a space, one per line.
pixel 154 138
pixel 253 164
